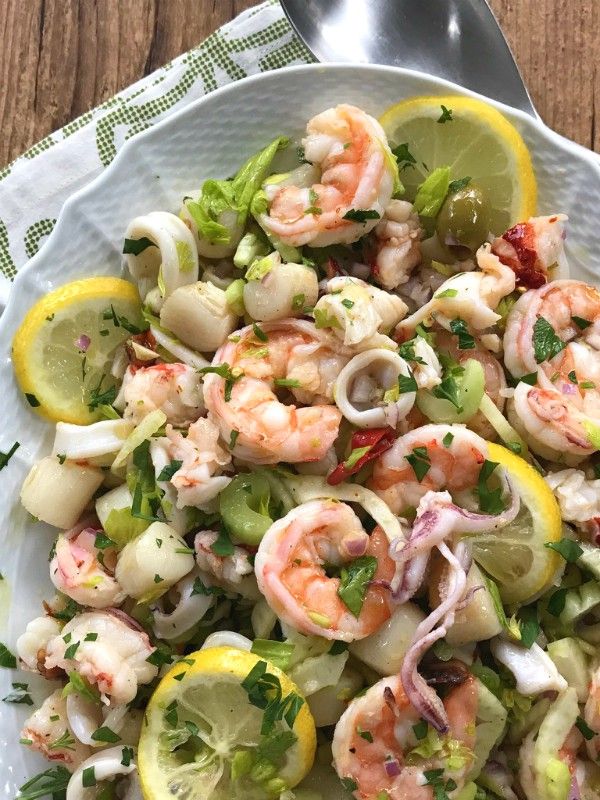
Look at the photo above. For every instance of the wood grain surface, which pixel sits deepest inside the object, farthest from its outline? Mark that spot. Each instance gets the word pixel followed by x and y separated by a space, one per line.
pixel 58 58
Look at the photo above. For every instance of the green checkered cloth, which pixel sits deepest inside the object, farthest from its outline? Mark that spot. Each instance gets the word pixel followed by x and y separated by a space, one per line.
pixel 34 187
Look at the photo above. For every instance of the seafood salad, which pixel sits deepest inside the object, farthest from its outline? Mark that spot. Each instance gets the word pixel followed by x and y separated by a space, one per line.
pixel 325 484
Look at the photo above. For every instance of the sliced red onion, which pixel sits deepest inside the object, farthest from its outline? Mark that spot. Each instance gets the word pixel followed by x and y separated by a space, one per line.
pixel 423 697
pixel 356 545
pixel 83 342
pixel 574 791
pixel 392 768
pixel 569 388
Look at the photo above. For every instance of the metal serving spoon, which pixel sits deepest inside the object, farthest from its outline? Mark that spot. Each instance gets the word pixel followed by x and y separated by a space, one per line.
pixel 455 39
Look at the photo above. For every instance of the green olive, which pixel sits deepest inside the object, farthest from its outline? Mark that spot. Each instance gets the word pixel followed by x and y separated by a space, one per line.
pixel 464 219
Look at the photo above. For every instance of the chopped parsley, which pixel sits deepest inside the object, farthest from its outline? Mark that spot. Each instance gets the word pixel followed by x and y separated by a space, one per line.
pixel 99 397
pixel 459 328
pixel 120 321
pixel 420 730
pixel 222 546
pixel 224 371
pixel 52 782
pixel 581 322
pixel 136 246
pixel 313 199
pixel 32 400
pixel 529 626
pixel 361 214
pixel 198 587
pixel 407 352
pixel 546 344
pixel 7 659
pixel 264 691
pixel 490 500
pixel 448 439
pixel 446 293
pixel 88 777
pixel 457 185
pixel 449 387
pixel 567 548
pixel 354 582
pixel 19 695
pixel 420 462
pixel 102 541
pixel 446 115
pixel 348 303
pixel 6 457
pixel 259 333
pixel 584 729
pixel 557 601
pixel 406 384
pixel 105 734
pixel 403 156
pixel 233 438
pixel 169 470
pixel 71 650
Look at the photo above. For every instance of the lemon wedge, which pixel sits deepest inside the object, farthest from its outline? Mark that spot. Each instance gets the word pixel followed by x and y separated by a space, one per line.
pixel 475 141
pixel 63 351
pixel 515 556
pixel 203 738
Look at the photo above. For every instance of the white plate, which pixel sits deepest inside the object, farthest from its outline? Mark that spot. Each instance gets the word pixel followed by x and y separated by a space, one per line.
pixel 153 171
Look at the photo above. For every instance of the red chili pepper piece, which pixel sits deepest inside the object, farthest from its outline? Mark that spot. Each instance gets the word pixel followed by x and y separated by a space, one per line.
pixel 378 439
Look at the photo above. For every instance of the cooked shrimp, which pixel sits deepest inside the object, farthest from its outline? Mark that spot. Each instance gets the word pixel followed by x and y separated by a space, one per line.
pixel 398 245
pixel 571 309
pixel 173 388
pixel 552 422
pixel 470 296
pixel 556 415
pixel 374 737
pixel 295 355
pixel 85 572
pixel 32 644
pixel 47 730
pixel 358 173
pixel 531 248
pixel 108 649
pixel 291 572
pixel 495 381
pixel 453 466
pixel 198 480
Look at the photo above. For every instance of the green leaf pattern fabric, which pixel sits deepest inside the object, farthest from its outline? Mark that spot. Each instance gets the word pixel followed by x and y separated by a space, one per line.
pixel 34 187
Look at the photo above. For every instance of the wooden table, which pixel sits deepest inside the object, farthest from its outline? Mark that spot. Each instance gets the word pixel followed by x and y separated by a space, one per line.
pixel 58 58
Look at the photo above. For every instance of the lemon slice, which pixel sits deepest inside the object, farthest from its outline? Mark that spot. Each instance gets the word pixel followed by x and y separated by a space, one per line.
pixel 63 350
pixel 201 738
pixel 515 555
pixel 477 142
